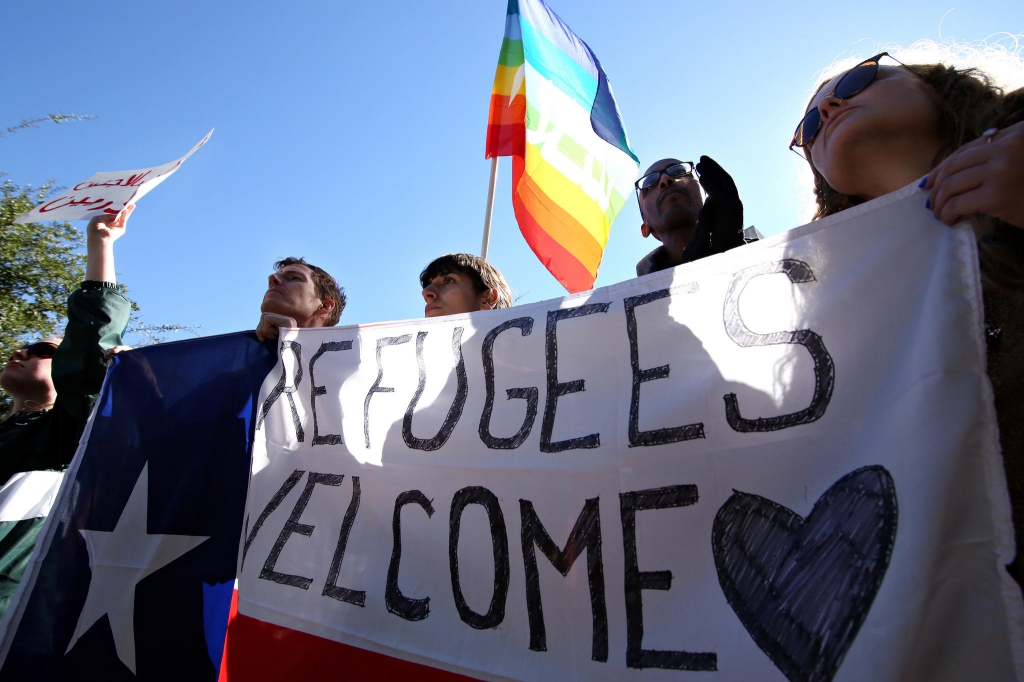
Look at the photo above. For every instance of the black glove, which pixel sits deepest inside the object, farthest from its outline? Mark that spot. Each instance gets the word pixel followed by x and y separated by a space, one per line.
pixel 720 221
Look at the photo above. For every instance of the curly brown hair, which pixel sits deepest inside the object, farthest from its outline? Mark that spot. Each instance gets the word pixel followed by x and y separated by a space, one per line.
pixel 970 104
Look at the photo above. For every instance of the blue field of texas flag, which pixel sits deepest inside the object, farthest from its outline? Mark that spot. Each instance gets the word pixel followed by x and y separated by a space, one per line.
pixel 133 574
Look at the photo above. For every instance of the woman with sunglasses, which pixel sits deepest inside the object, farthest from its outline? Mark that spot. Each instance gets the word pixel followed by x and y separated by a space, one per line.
pixel 26 378
pixel 881 126
pixel 53 385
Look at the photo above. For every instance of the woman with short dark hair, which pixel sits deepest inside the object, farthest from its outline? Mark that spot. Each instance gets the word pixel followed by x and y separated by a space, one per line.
pixel 462 283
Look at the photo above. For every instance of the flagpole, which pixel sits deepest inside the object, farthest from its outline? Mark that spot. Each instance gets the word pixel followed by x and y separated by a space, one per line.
pixel 490 207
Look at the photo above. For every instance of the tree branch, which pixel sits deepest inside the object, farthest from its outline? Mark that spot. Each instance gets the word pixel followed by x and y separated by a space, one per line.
pixel 57 118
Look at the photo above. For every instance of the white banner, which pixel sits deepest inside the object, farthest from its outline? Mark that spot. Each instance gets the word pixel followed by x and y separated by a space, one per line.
pixel 29 495
pixel 106 193
pixel 780 462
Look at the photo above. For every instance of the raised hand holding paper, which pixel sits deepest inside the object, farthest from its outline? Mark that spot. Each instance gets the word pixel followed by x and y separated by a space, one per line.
pixel 106 193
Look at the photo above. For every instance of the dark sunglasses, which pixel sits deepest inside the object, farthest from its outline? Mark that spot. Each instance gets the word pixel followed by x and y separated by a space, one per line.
pixel 852 82
pixel 675 171
pixel 40 349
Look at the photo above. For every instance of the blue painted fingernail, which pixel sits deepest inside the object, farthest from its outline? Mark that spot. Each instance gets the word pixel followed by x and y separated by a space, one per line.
pixel 923 181
pixel 927 203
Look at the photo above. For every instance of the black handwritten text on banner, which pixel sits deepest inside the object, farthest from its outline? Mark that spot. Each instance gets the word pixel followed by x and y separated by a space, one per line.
pixel 742 467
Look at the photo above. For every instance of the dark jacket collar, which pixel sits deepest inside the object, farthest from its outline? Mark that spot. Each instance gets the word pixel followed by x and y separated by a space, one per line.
pixel 655 261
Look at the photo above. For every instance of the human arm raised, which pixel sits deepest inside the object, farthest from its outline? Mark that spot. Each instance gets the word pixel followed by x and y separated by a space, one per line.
pixel 97 317
pixel 100 235
pixel 720 221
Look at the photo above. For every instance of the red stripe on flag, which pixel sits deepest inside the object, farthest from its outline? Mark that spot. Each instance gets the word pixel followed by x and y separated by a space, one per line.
pixel 257 650
pixel 506 126
pixel 565 267
pixel 507 110
pixel 507 139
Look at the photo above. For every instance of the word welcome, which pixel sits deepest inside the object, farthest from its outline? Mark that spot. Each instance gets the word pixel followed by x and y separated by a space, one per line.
pixel 585 536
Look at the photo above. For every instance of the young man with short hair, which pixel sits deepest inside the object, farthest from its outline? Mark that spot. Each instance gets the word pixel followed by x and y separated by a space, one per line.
pixel 462 283
pixel 299 295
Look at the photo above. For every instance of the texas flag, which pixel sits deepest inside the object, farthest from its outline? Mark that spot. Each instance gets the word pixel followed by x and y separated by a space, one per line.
pixel 134 570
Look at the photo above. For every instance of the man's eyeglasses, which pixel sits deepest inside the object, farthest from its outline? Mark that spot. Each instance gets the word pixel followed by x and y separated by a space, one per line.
pixel 675 171
pixel 852 82
pixel 40 349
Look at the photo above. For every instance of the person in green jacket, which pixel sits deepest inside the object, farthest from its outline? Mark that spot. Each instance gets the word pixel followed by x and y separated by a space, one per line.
pixel 53 384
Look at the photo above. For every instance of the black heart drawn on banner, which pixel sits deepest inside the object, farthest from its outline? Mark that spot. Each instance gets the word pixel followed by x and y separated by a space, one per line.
pixel 803 587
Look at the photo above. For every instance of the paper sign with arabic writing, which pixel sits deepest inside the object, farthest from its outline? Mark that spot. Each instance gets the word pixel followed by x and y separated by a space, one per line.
pixel 105 193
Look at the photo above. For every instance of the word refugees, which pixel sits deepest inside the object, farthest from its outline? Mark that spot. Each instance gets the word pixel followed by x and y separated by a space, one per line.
pixel 797 271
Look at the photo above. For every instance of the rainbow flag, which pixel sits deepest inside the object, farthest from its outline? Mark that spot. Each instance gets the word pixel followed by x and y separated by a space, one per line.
pixel 553 112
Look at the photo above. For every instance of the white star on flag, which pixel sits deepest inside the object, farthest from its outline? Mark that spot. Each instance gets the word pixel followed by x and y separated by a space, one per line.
pixel 119 560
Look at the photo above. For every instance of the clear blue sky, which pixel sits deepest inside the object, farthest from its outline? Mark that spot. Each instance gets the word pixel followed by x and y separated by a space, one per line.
pixel 353 133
